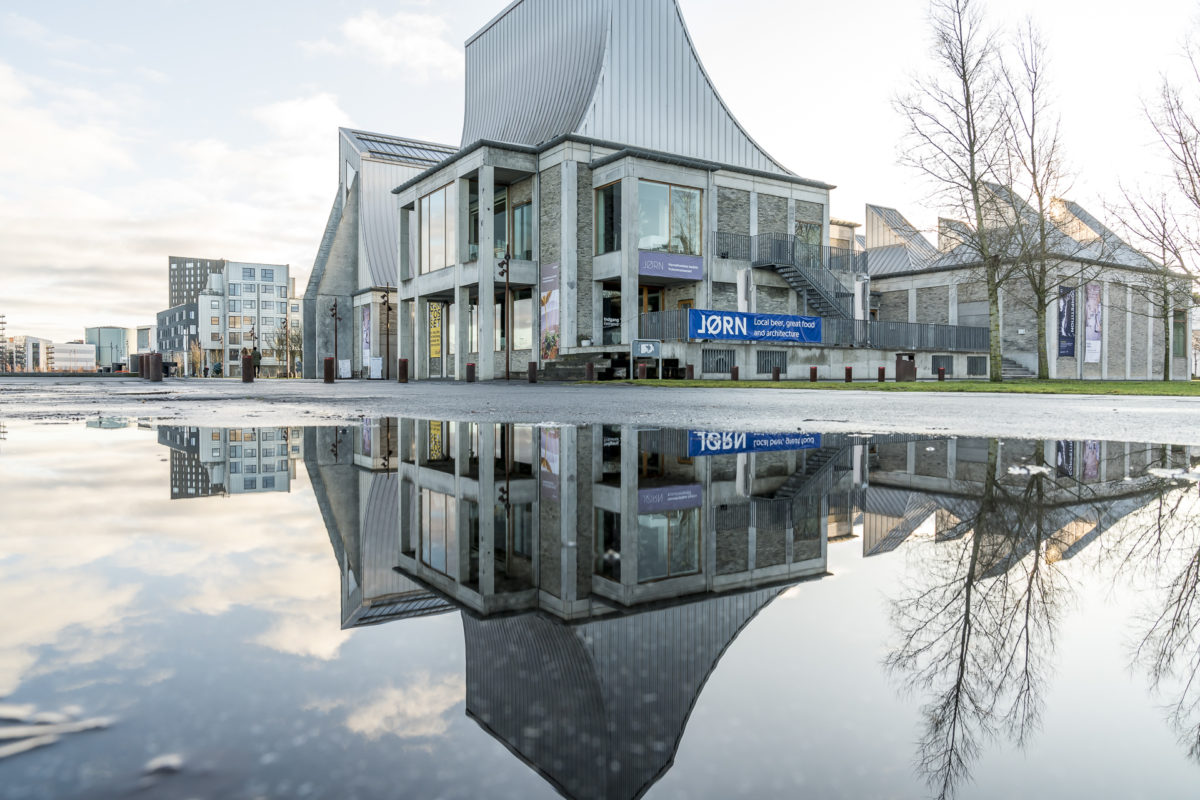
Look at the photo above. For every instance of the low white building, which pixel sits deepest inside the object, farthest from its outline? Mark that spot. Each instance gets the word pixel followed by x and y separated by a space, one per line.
pixel 72 357
pixel 26 354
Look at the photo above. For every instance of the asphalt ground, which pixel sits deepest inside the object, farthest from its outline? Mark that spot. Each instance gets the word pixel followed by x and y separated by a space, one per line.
pixel 294 402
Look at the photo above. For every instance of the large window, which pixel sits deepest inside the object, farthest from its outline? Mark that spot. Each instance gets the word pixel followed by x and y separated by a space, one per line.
pixel 500 220
pixel 668 544
pixel 522 327
pixel 1179 341
pixel 523 232
pixel 669 218
pixel 267 275
pixel 608 218
pixel 439 532
pixel 438 229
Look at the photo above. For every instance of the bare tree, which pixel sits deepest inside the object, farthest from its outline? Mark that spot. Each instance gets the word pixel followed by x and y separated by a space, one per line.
pixel 288 345
pixel 1045 256
pixel 958 138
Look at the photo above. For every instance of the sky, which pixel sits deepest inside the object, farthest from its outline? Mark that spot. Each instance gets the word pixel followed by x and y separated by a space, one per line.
pixel 137 129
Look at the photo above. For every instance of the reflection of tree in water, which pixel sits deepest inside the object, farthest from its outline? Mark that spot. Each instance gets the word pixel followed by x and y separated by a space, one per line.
pixel 1163 543
pixel 976 626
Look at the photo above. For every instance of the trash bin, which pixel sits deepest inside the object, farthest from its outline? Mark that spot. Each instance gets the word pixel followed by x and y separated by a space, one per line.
pixel 906 367
pixel 247 369
pixel 329 369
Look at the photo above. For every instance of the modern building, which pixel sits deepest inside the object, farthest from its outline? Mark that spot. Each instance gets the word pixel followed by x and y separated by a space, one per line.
pixel 1104 318
pixel 176 333
pixel 113 345
pixel 147 339
pixel 243 307
pixel 219 461
pixel 27 354
pixel 187 277
pixel 77 356
pixel 354 274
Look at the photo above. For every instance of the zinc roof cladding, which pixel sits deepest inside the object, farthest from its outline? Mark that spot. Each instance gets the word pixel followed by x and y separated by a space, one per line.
pixel 398 149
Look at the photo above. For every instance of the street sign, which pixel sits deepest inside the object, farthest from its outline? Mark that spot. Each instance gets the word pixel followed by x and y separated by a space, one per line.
pixel 647 348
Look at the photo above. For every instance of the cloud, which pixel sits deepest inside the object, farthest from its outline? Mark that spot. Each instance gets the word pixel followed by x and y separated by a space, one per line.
pixel 419 710
pixel 418 44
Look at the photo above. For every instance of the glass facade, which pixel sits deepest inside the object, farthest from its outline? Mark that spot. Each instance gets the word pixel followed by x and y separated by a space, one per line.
pixel 438 229
pixel 669 218
pixel 608 218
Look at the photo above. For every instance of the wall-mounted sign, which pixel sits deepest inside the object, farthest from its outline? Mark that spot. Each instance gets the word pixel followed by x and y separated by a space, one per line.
pixel 670 498
pixel 670 265
pixel 738 325
pixel 708 443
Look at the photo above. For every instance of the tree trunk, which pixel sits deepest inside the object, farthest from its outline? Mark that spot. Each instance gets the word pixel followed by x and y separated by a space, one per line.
pixel 1043 360
pixel 995 356
pixel 1166 320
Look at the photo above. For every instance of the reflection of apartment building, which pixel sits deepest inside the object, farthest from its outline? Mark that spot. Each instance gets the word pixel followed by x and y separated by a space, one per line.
pixel 208 461
pixel 175 335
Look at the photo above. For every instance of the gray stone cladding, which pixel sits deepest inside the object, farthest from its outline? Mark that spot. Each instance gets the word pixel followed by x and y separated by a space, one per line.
pixel 724 296
pixel 772 299
pixel 733 210
pixel 933 305
pixel 772 214
pixel 550 183
pixel 809 212
pixel 893 306
pixel 585 244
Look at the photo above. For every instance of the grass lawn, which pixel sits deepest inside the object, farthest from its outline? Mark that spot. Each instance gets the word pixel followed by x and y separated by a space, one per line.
pixel 1160 388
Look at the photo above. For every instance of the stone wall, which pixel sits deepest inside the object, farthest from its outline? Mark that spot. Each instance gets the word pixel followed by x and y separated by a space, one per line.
pixel 520 192
pixel 733 210
pixel 585 243
pixel 893 306
pixel 724 296
pixel 772 214
pixel 772 299
pixel 933 305
pixel 550 186
pixel 809 212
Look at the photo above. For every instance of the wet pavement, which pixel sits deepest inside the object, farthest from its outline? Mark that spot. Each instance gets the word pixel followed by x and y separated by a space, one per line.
pixel 401 606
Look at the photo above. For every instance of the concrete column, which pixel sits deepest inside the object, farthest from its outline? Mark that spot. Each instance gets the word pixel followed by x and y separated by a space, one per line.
pixel 910 465
pixel 630 299
pixel 753 213
pixel 1052 338
pixel 568 474
pixel 912 304
pixel 791 216
pixel 1104 330
pixel 1150 339
pixel 952 311
pixel 1169 311
pixel 487 502
pixel 629 507
pixel 462 330
pixel 1128 331
pixel 568 263
pixel 951 458
pixel 405 334
pixel 485 367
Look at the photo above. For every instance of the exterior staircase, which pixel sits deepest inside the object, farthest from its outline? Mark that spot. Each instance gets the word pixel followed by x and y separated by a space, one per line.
pixel 1010 369
pixel 808 269
pixel 820 467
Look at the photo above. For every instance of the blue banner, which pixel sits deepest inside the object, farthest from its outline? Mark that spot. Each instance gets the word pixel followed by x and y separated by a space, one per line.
pixel 711 443
pixel 736 325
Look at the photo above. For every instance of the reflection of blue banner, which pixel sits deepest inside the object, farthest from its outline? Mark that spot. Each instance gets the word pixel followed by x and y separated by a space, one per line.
pixel 1066 320
pixel 708 443
pixel 705 324
pixel 670 498
pixel 670 265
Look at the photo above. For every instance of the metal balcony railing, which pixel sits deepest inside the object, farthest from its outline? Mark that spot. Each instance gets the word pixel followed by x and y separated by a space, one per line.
pixel 666 325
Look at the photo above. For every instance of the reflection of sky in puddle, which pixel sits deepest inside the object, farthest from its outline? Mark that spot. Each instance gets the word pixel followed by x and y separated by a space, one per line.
pixel 211 628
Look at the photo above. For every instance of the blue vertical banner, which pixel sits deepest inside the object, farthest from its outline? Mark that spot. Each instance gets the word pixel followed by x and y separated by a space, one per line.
pixel 1066 321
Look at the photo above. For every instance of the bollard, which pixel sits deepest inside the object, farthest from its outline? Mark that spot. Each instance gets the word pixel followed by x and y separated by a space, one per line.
pixel 641 372
pixel 135 365
pixel 247 369
pixel 690 372
pixel 402 371
pixel 849 374
pixel 733 373
pixel 155 369
pixel 882 375
pixel 812 374
pixel 470 372
pixel 329 369
pixel 941 373
pixel 533 372
pixel 589 371
pixel 775 373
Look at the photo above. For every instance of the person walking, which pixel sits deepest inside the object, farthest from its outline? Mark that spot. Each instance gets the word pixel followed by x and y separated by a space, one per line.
pixel 257 361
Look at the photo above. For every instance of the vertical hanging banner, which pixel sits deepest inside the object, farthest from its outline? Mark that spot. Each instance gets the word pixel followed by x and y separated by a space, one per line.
pixel 1064 458
pixel 366 336
pixel 1091 460
pixel 435 330
pixel 548 312
pixel 1066 321
pixel 1092 325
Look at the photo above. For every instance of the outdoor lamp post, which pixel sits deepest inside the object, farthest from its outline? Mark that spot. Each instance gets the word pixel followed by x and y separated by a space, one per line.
pixel 333 313
pixel 386 302
pixel 504 270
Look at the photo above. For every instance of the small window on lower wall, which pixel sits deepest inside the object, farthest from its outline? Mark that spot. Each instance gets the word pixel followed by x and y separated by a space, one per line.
pixel 976 365
pixel 716 361
pixel 943 361
pixel 769 359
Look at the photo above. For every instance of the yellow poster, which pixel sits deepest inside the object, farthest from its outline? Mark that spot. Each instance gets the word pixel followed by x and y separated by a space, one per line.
pixel 437 451
pixel 435 330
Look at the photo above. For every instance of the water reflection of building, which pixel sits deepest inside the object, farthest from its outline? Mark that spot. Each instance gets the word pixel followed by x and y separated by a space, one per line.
pixel 220 461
